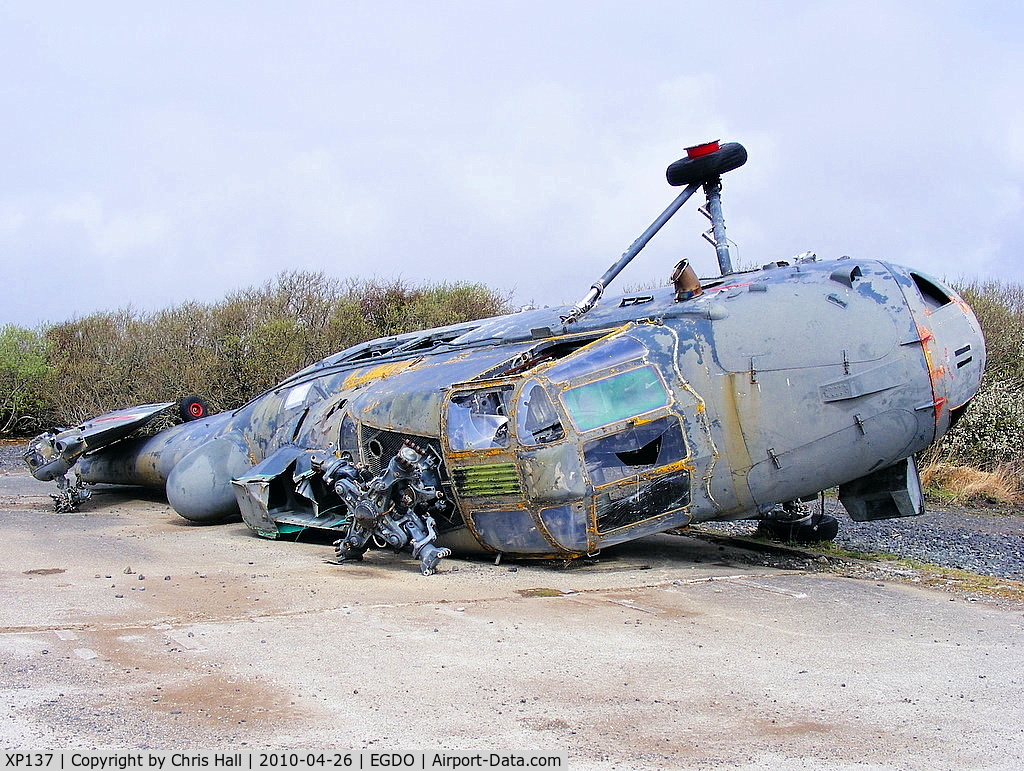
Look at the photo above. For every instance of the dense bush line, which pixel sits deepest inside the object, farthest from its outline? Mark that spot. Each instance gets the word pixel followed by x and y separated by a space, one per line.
pixel 226 352
pixel 990 436
pixel 22 379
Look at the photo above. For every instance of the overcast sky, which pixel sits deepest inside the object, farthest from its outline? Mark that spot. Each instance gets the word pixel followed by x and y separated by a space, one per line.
pixel 157 153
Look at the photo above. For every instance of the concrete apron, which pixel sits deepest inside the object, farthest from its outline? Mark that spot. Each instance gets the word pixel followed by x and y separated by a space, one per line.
pixel 124 626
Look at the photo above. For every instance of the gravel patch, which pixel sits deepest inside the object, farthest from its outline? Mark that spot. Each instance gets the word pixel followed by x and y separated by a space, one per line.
pixel 988 542
pixel 10 457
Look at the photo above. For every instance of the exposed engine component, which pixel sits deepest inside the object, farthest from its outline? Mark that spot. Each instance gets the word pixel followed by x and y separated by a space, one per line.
pixel 70 495
pixel 685 282
pixel 391 509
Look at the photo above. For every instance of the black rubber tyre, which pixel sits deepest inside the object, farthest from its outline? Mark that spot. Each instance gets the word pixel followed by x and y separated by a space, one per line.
pixel 686 171
pixel 820 527
pixel 192 408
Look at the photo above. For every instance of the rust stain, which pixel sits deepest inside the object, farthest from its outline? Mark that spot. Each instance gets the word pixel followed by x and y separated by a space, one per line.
pixel 370 374
pixel 936 373
pixel 213 699
pixel 541 591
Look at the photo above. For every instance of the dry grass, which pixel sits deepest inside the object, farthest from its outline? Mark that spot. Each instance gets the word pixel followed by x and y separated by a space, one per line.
pixel 964 484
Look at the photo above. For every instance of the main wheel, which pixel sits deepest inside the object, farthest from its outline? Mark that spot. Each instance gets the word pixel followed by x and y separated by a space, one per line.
pixel 703 168
pixel 814 529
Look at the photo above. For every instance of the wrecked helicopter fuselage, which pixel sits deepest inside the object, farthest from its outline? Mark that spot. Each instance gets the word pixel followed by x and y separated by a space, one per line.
pixel 539 434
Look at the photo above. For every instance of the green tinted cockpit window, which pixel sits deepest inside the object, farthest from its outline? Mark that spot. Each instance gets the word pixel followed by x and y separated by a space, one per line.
pixel 615 398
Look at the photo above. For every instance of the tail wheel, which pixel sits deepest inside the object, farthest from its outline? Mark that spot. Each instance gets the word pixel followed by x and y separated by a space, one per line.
pixel 192 408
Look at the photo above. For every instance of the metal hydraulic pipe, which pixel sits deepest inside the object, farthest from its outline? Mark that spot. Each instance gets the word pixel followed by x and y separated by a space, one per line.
pixel 713 190
pixel 598 287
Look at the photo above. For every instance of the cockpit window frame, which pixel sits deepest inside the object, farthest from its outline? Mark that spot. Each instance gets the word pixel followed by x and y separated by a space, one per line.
pixel 473 425
pixel 554 430
pixel 615 352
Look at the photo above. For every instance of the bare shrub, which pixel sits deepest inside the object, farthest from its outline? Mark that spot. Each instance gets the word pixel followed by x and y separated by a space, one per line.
pixel 23 406
pixel 990 434
pixel 95 362
pixel 395 307
pixel 230 351
pixel 999 307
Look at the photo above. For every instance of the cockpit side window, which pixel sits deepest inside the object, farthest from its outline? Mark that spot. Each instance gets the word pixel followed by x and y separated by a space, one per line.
pixel 615 398
pixel 537 421
pixel 478 420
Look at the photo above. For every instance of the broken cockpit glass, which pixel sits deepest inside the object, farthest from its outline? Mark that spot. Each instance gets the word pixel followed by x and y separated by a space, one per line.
pixel 478 420
pixel 637 449
pixel 537 421
pixel 619 506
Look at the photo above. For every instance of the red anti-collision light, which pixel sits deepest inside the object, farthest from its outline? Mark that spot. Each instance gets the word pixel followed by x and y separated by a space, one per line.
pixel 705 149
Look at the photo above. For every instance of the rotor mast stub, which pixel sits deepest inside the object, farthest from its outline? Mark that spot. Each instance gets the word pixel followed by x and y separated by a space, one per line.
pixel 713 211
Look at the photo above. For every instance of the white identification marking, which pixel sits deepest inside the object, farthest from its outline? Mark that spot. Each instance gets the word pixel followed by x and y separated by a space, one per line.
pixel 297 395
pixel 182 638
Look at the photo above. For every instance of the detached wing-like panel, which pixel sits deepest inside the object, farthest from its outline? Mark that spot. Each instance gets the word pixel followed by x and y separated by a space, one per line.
pixel 51 454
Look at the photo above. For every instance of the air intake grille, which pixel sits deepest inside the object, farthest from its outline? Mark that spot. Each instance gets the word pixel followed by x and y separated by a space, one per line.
pixel 487 480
